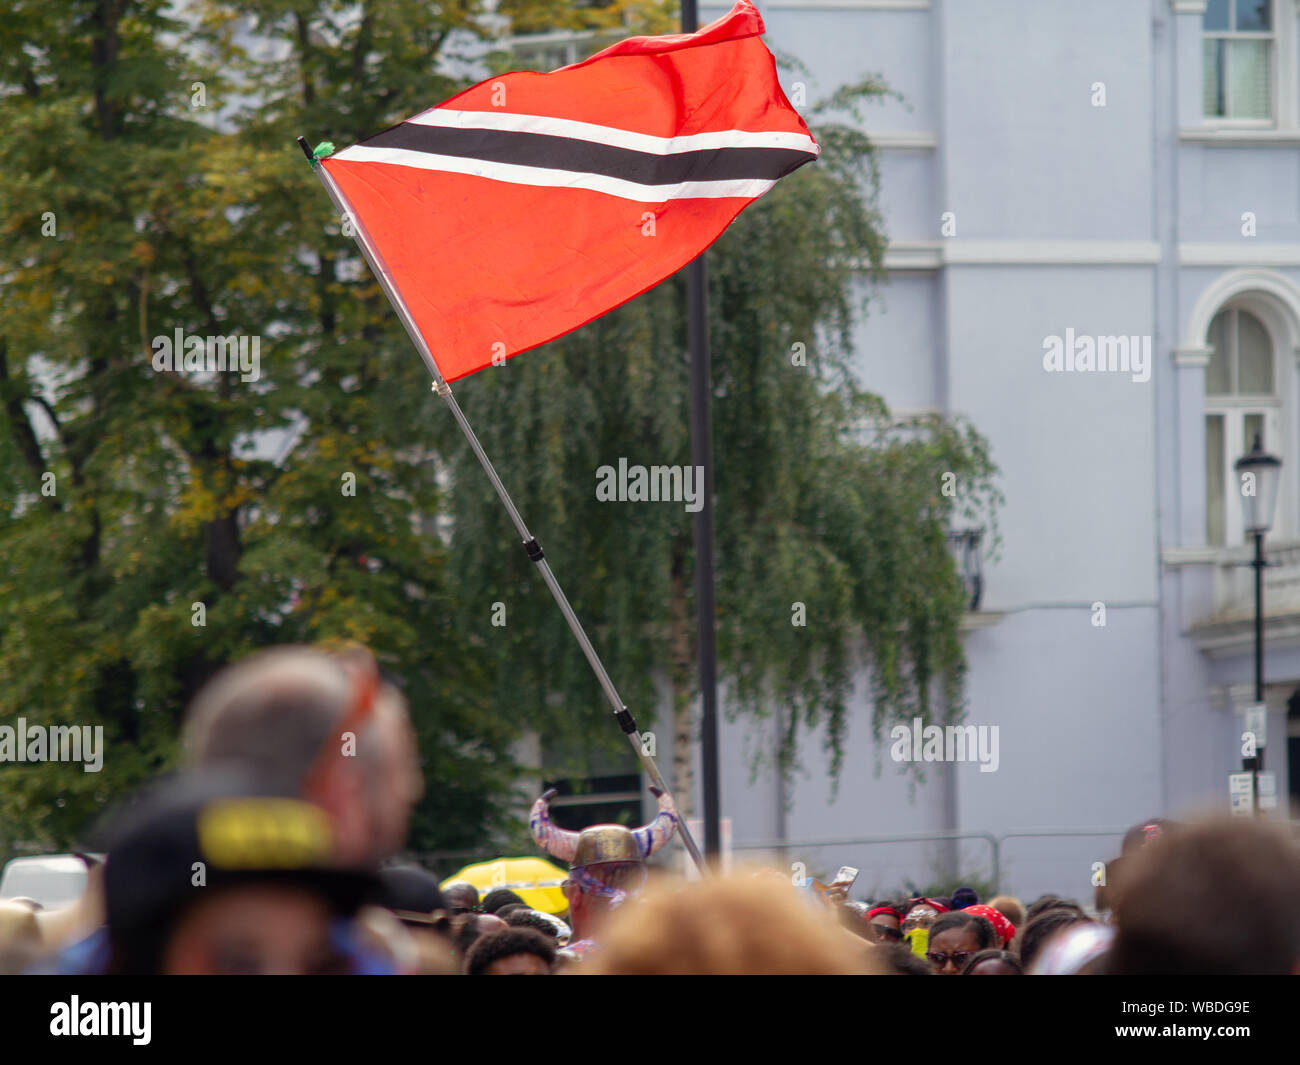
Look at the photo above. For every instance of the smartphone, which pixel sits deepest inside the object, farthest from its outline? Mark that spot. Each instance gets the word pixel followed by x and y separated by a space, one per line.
pixel 847 875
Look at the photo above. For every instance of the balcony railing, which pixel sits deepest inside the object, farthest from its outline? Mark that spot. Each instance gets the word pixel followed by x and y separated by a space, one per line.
pixel 1234 582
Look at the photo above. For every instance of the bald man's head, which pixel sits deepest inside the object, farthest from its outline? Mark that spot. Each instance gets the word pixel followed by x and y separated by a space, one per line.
pixel 281 713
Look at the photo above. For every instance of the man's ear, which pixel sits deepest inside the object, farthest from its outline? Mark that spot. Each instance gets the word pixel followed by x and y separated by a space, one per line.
pixel 337 790
pixel 340 793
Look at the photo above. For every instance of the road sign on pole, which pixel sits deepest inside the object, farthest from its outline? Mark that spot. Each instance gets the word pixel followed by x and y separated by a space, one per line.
pixel 1256 722
pixel 1268 791
pixel 1241 794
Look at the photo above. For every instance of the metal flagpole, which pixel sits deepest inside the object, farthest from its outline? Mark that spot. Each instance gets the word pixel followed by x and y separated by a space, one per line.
pixel 697 301
pixel 621 713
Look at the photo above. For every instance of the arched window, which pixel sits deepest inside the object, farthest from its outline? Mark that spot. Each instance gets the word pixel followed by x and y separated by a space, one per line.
pixel 1242 399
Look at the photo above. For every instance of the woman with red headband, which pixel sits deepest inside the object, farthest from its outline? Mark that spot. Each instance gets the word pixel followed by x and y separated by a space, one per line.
pixel 886 922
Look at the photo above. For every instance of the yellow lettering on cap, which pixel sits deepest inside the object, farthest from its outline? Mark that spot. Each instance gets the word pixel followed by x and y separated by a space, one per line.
pixel 264 834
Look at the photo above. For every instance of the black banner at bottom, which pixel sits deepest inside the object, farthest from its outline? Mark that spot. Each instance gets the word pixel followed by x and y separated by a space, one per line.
pixel 376 1014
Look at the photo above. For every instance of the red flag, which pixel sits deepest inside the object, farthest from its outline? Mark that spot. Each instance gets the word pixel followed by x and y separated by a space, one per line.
pixel 532 203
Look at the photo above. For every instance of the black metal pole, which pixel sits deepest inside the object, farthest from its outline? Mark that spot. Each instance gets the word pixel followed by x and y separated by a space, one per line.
pixel 1259 617
pixel 697 287
pixel 697 302
pixel 1258 761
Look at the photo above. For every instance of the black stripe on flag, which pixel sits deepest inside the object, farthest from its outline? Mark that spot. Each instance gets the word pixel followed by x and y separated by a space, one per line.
pixel 580 156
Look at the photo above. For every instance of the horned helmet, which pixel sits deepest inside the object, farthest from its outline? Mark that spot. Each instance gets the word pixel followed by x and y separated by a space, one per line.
pixel 602 843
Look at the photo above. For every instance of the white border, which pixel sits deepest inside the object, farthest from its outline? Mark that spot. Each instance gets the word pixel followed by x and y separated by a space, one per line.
pixel 509 122
pixel 904 141
pixel 936 254
pixel 1245 253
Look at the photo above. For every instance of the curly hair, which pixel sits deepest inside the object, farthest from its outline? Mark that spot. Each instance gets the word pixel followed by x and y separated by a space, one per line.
pixel 505 942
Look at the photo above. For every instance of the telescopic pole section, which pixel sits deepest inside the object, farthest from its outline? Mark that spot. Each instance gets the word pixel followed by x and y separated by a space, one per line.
pixel 621 713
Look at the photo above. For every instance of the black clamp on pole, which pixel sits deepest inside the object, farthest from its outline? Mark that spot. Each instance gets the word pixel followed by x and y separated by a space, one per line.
pixel 534 549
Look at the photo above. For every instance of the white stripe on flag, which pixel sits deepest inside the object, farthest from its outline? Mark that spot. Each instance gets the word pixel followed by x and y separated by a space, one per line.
pixel 744 188
pixel 618 138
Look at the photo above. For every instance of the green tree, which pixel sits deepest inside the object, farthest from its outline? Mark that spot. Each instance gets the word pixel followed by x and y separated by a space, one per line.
pixel 149 182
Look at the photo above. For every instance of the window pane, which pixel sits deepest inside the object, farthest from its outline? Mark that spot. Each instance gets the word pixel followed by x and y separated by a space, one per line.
pixel 1212 53
pixel 1216 15
pixel 1254 356
pixel 1217 382
pixel 1252 426
pixel 1254 15
pixel 1215 530
pixel 1250 94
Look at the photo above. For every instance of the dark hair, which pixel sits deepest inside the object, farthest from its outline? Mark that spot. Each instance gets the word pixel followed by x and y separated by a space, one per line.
pixel 985 937
pixel 902 962
pixel 505 911
pixel 1170 886
pixel 1051 902
pixel 523 917
pixel 498 897
pixel 460 896
pixel 468 932
pixel 1041 928
pixel 1004 956
pixel 505 942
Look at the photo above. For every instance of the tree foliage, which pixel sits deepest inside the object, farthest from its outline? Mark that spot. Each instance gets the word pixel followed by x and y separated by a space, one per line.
pixel 149 182
pixel 175 490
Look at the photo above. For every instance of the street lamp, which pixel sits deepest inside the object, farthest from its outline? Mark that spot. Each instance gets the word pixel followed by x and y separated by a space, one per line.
pixel 1258 473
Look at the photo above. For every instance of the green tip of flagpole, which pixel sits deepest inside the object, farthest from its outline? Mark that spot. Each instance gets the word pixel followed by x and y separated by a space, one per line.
pixel 323 149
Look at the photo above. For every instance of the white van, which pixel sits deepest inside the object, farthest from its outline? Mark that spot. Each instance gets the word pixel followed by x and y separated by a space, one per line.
pixel 53 880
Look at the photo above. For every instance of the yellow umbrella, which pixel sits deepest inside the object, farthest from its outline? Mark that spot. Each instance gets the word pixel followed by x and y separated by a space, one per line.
pixel 535 880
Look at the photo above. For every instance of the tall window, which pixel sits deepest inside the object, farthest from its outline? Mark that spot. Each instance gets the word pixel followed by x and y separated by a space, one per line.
pixel 1238 55
pixel 1241 399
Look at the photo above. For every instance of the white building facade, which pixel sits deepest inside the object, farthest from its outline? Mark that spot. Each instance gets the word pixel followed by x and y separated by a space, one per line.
pixel 1080 171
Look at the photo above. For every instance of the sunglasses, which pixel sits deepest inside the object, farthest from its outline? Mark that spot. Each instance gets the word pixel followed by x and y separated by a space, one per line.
pixel 629 883
pixel 883 931
pixel 363 675
pixel 958 958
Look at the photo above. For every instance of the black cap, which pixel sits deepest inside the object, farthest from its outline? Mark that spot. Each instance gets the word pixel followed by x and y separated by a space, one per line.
pixel 408 889
pixel 208 829
pixel 1144 832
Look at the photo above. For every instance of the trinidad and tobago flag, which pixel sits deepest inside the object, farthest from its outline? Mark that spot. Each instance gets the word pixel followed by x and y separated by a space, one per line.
pixel 532 203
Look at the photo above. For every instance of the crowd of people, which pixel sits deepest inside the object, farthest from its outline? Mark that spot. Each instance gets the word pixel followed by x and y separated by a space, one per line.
pixel 273 849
